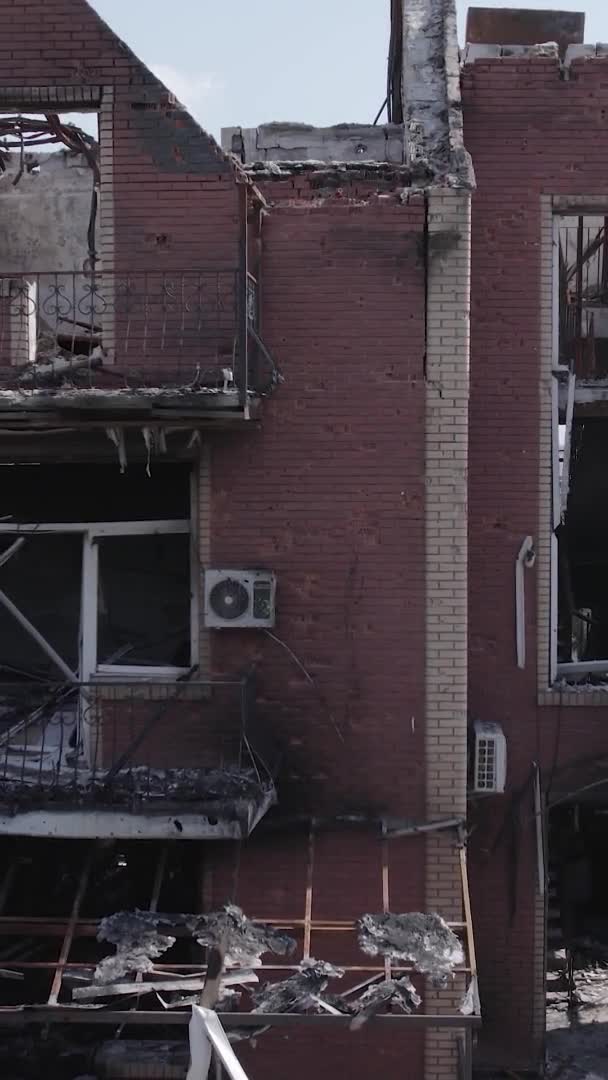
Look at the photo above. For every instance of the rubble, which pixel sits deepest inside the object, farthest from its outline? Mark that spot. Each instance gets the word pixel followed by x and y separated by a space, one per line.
pixel 426 941
pixel 399 992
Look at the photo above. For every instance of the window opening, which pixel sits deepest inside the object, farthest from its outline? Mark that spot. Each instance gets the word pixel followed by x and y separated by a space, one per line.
pixel 580 450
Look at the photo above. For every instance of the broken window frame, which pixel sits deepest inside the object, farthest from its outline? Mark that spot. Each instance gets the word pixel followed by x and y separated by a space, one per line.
pixel 561 460
pixel 92 532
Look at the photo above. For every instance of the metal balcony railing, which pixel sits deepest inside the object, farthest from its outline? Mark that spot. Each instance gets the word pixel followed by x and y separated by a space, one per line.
pixel 131 744
pixel 139 329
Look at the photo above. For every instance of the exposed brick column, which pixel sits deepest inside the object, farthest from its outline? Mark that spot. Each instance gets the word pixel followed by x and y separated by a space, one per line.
pixel 447 393
pixel 106 232
pixel 202 548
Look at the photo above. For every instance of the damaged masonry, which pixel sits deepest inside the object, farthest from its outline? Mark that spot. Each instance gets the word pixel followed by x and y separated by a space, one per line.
pixel 304 551
pixel 141 937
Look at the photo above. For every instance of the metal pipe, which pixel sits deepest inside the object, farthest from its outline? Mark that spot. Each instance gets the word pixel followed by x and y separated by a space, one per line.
pixel 525 558
pixel 432 826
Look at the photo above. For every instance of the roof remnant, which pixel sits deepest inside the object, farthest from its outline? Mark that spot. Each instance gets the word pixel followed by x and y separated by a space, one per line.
pixel 301 142
pixel 245 942
pixel 524 26
pixel 431 92
pixel 426 941
pixel 138 943
pixel 141 937
pixel 425 64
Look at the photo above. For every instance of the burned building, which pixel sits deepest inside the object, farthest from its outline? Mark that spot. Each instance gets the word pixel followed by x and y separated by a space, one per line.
pixel 302 561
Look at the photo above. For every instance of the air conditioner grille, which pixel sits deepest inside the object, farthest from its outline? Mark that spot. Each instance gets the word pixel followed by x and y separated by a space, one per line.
pixel 486 765
pixel 229 599
pixel 490 759
pixel 239 599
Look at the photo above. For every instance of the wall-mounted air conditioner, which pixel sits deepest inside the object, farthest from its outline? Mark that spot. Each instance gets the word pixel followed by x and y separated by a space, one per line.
pixel 490 759
pixel 235 599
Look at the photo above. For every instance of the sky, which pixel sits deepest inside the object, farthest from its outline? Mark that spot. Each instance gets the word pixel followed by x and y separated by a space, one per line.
pixel 241 63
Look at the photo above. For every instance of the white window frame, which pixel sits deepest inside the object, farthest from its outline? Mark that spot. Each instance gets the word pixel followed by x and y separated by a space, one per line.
pixel 561 474
pixel 91 532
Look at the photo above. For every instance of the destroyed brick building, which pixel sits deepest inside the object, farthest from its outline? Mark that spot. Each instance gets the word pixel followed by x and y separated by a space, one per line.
pixel 303 661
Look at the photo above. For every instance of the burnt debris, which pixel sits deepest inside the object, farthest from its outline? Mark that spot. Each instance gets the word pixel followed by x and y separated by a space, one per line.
pixel 244 941
pixel 141 937
pixel 425 941
pixel 298 992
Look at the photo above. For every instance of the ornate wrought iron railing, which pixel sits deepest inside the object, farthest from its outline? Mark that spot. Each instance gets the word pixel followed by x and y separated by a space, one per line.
pixel 131 744
pixel 121 330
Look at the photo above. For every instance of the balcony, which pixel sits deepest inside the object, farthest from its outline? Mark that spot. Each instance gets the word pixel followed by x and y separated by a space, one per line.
pixel 138 759
pixel 138 346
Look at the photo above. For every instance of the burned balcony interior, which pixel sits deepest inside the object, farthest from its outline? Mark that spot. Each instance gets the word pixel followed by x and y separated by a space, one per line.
pixel 580 444
pixel 111 943
pixel 103 706
pixel 577 928
pixel 82 337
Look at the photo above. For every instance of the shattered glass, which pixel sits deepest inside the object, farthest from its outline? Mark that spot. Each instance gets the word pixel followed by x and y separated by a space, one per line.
pixel 425 941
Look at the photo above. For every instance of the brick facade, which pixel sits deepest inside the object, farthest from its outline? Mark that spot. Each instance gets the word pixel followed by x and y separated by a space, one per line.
pixel 534 136
pixel 352 488
pixel 329 492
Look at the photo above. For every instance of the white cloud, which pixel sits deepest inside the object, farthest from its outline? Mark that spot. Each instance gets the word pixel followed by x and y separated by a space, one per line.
pixel 193 91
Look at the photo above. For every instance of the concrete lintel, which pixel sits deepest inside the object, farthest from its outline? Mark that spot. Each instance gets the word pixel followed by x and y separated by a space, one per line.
pixel 547 50
pixel 302 142
pixel 473 52
pixel 584 52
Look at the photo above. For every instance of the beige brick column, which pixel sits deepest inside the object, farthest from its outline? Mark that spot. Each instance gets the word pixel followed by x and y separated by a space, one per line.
pixel 105 232
pixel 202 548
pixel 447 397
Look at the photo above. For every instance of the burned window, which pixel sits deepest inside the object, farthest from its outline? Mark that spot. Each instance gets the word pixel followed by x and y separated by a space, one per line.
pixel 144 600
pixel 96 572
pixel 580 449
pixel 583 296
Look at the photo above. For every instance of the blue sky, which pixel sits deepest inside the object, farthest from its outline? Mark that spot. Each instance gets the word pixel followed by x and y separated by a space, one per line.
pixel 239 62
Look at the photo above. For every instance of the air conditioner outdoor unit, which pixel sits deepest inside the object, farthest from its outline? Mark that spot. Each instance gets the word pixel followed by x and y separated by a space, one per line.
pixel 239 598
pixel 490 759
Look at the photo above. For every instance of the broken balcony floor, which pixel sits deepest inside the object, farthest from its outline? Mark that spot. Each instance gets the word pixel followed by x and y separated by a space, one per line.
pixel 110 942
pixel 48 788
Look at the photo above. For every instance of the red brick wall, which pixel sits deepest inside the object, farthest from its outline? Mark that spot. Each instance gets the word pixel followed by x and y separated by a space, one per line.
pixel 268 878
pixel 530 133
pixel 329 492
pixel 163 162
pixel 176 200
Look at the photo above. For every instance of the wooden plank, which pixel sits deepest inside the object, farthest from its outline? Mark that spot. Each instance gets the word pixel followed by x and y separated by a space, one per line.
pixel 309 887
pixel 98 528
pixel 385 890
pixel 127 989
pixel 157 885
pixel 69 934
pixel 466 897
